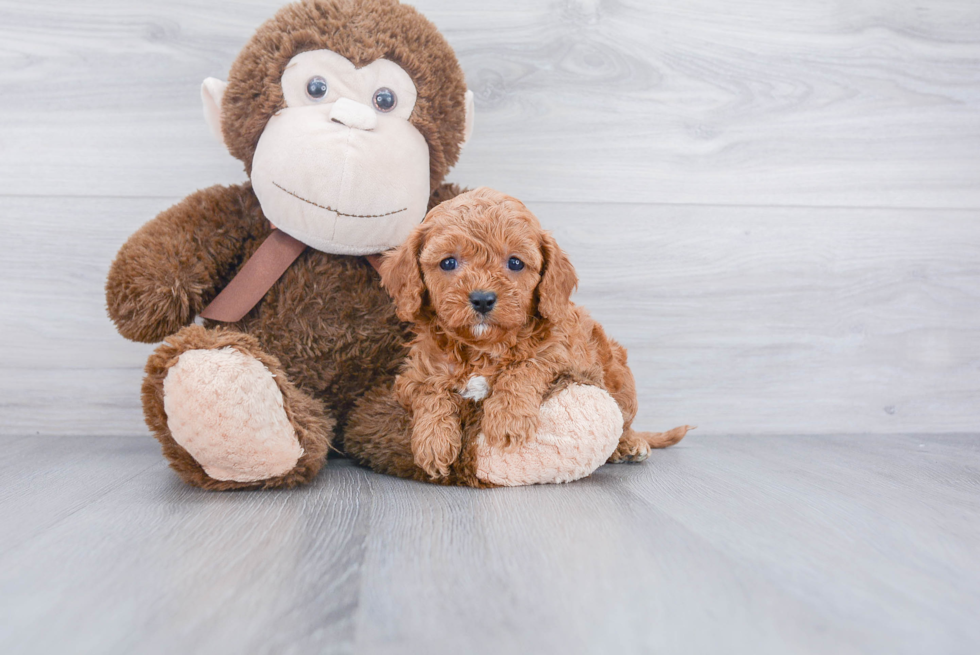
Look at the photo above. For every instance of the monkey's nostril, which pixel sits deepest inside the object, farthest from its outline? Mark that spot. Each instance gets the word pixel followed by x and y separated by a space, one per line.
pixel 353 114
pixel 483 301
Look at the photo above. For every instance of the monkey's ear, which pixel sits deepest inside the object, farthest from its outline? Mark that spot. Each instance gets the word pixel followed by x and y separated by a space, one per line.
pixel 212 93
pixel 470 115
pixel 401 276
pixel 558 280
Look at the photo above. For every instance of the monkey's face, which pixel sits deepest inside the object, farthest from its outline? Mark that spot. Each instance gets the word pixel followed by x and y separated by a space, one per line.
pixel 341 168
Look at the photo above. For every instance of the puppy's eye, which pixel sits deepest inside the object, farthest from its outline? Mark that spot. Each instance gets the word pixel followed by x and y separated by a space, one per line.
pixel 448 264
pixel 384 99
pixel 316 88
pixel 515 264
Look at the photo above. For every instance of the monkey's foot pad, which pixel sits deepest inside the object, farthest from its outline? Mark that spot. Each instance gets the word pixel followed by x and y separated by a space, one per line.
pixel 580 428
pixel 225 409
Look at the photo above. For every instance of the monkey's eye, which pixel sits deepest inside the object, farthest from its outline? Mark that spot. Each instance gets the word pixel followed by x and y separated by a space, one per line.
pixel 316 88
pixel 448 264
pixel 515 264
pixel 385 99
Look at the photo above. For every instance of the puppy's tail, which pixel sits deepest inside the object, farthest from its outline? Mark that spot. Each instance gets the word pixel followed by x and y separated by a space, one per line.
pixel 668 438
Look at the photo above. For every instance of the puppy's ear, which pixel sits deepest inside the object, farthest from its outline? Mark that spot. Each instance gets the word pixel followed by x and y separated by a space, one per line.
pixel 558 280
pixel 401 275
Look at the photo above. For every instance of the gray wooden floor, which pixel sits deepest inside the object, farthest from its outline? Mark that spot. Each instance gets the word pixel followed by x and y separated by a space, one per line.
pixel 774 205
pixel 823 544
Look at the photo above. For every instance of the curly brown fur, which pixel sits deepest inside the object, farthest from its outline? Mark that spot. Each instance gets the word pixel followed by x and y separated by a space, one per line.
pixel 533 336
pixel 381 437
pixel 313 429
pixel 327 324
pixel 635 446
pixel 333 343
pixel 444 192
pixel 173 266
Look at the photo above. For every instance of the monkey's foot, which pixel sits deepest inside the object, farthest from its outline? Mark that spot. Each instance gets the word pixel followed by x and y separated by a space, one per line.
pixel 225 409
pixel 580 428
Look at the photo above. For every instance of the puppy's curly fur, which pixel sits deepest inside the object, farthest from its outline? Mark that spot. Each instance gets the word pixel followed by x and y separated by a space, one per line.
pixel 533 336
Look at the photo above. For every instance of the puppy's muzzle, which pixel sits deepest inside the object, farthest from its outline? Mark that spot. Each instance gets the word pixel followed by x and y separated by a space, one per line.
pixel 483 301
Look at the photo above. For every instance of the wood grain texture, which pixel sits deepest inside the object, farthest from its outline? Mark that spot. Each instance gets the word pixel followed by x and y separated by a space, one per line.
pixel 746 312
pixel 170 568
pixel 865 103
pixel 774 206
pixel 825 544
pixel 739 320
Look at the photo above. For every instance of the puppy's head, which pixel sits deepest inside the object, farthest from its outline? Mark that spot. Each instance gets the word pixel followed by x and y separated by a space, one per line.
pixel 481 268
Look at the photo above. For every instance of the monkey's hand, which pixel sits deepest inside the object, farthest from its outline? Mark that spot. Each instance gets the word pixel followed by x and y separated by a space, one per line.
pixel 510 420
pixel 162 274
pixel 149 303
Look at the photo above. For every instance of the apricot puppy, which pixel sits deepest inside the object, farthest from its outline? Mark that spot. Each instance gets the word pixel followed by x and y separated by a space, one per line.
pixel 488 292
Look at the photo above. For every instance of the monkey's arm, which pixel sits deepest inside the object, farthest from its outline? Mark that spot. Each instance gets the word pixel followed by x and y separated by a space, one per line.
pixel 168 271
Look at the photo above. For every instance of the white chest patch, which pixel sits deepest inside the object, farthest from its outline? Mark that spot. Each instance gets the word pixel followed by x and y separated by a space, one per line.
pixel 476 389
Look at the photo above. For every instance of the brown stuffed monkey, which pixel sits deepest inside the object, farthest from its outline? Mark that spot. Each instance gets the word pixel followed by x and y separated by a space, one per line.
pixel 347 116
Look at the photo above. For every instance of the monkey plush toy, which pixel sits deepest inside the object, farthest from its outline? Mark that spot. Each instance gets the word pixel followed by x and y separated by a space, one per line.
pixel 347 115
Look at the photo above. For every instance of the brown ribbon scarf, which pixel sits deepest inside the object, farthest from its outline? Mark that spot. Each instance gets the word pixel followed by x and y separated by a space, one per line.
pixel 256 277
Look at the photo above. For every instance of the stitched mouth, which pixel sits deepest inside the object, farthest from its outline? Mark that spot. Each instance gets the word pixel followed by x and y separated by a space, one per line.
pixel 337 211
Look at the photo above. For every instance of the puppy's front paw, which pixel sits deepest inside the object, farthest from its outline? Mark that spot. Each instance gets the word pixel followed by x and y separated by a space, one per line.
pixel 509 424
pixel 436 447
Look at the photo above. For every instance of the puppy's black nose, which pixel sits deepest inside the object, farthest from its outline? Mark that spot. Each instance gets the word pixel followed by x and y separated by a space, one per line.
pixel 483 301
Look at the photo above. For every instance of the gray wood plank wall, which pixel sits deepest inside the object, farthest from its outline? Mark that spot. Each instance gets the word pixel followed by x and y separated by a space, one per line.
pixel 775 206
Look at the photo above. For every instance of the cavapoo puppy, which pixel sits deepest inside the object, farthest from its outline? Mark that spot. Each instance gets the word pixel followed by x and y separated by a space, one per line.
pixel 488 292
